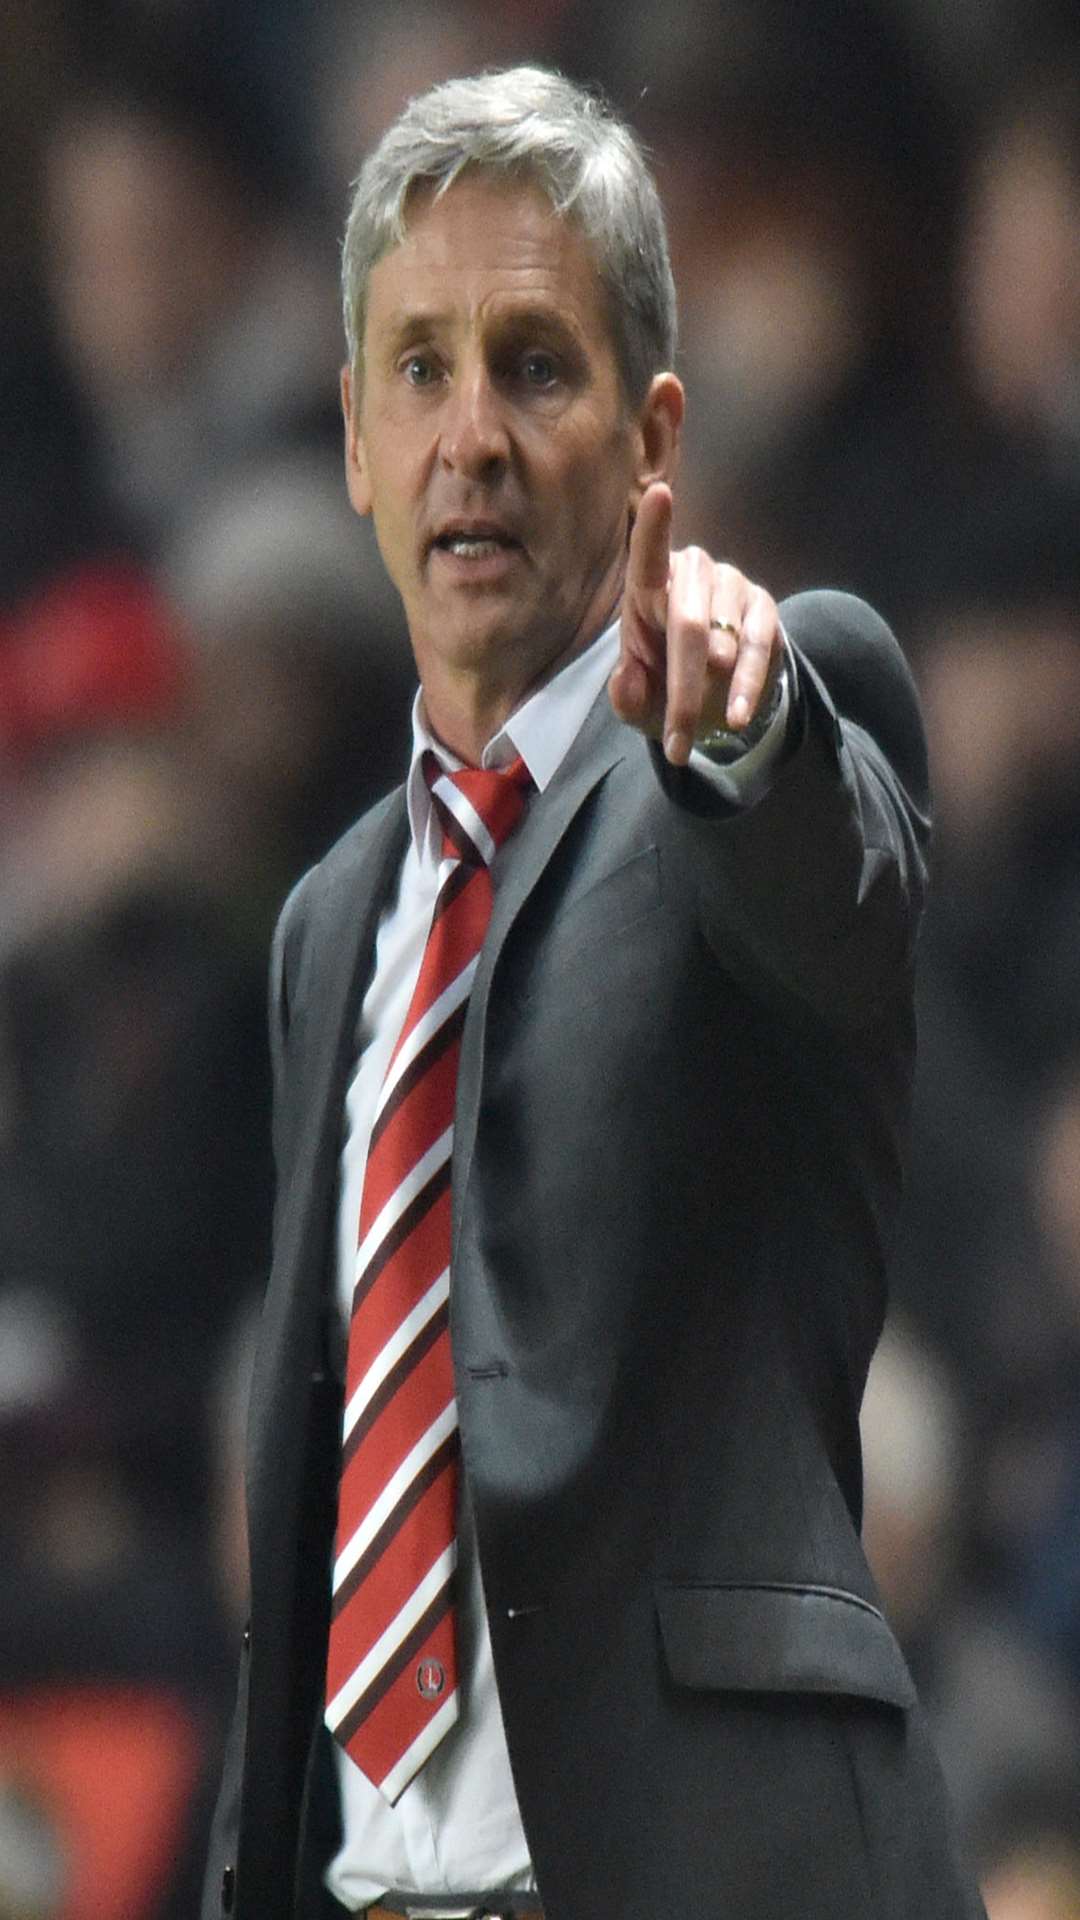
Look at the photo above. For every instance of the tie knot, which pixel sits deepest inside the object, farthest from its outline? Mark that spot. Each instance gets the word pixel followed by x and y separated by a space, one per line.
pixel 477 807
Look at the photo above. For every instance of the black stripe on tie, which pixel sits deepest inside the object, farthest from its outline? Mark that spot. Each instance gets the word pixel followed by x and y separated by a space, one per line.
pixel 426 1478
pixel 431 1051
pixel 395 1666
pixel 400 1371
pixel 455 883
pixel 456 833
pixel 401 1230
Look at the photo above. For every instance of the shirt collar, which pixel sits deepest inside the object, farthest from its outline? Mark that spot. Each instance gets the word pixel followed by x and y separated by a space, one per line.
pixel 542 730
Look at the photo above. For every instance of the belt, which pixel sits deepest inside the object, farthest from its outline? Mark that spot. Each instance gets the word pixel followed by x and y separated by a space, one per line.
pixel 457 1906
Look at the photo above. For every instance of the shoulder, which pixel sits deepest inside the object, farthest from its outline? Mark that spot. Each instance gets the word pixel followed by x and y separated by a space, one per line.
pixel 333 877
pixel 339 864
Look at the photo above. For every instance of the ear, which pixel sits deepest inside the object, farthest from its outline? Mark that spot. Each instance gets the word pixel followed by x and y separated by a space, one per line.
pixel 356 473
pixel 659 427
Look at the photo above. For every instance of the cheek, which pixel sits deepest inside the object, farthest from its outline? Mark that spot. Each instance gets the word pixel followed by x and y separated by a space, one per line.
pixel 394 492
pixel 395 535
pixel 597 486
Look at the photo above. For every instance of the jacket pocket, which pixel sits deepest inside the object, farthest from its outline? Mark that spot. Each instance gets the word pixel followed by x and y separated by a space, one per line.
pixel 781 1639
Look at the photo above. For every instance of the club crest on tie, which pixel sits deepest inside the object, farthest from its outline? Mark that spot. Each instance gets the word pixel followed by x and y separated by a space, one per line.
pixel 430 1679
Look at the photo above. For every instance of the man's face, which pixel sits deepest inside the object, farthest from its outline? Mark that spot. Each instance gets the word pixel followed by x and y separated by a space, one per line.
pixel 491 438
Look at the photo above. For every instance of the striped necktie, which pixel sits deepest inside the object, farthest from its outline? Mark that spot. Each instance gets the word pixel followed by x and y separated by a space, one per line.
pixel 391 1672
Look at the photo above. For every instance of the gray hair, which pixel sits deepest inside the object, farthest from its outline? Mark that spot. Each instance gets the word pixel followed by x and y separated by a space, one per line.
pixel 538 127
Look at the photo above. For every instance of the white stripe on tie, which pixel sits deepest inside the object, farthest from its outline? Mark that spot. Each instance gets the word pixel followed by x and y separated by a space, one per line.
pixel 467 818
pixel 398 1484
pixel 404 1193
pixel 399 1342
pixel 390 1640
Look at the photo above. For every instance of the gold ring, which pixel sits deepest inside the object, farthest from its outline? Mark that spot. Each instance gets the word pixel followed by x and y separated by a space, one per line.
pixel 724 626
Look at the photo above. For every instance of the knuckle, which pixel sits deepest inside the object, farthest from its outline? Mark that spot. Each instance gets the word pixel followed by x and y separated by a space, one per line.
pixel 762 614
pixel 688 620
pixel 756 645
pixel 694 629
pixel 752 665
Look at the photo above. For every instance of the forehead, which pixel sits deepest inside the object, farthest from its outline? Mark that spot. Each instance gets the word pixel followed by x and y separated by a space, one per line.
pixel 482 248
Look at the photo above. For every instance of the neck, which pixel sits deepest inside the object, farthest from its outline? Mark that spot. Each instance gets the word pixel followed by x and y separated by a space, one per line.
pixel 465 724
pixel 465 710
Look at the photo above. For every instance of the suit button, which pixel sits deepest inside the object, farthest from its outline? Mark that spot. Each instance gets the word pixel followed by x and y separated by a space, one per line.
pixel 228 1889
pixel 245 1638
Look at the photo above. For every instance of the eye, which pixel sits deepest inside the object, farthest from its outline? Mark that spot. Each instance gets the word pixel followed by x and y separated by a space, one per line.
pixel 539 369
pixel 419 369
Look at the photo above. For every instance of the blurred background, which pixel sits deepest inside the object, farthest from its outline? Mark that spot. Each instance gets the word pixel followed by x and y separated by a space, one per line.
pixel 875 224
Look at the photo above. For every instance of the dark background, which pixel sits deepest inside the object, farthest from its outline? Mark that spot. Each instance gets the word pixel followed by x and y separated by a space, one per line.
pixel 203 678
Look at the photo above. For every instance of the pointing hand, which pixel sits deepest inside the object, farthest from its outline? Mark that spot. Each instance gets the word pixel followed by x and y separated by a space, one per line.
pixel 701 645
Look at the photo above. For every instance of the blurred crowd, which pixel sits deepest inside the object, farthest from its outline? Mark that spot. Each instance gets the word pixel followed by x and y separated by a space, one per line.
pixel 875 224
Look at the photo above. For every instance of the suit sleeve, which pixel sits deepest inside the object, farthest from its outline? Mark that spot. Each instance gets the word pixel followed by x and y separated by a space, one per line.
pixel 225 1828
pixel 286 934
pixel 818 885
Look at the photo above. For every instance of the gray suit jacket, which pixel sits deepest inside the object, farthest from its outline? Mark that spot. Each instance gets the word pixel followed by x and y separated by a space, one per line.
pixel 683 1088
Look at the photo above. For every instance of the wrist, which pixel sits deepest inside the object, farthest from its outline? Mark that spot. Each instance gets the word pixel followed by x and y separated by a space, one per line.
pixel 730 743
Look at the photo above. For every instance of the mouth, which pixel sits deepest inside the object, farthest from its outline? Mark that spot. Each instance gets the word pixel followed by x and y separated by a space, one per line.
pixel 474 540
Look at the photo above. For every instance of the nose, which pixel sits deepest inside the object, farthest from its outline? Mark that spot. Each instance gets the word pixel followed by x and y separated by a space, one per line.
pixel 474 438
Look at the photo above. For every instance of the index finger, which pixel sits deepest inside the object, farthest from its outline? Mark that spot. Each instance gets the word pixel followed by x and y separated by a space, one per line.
pixel 649 560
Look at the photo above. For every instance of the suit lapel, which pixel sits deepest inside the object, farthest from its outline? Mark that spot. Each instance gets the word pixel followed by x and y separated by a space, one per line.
pixel 342 939
pixel 600 745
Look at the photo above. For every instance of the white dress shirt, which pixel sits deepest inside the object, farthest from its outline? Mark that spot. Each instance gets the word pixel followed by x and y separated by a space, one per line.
pixel 457 1826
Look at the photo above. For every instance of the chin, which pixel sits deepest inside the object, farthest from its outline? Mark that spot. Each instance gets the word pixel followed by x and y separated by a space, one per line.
pixel 471 635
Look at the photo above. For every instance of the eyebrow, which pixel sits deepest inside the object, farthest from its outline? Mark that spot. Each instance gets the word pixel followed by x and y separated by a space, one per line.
pixel 413 325
pixel 546 321
pixel 550 321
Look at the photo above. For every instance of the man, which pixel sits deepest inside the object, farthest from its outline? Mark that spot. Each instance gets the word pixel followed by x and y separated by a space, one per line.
pixel 639 1137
